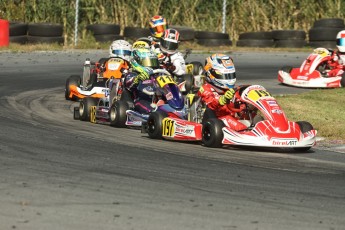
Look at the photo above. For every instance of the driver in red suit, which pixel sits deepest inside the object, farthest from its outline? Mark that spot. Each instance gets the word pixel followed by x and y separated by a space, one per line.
pixel 338 55
pixel 218 89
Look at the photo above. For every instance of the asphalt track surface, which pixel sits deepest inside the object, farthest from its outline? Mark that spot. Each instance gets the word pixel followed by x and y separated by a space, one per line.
pixel 58 173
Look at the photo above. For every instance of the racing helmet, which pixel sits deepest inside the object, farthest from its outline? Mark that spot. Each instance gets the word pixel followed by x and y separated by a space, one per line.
pixel 120 48
pixel 169 41
pixel 145 58
pixel 341 41
pixel 220 71
pixel 141 44
pixel 158 25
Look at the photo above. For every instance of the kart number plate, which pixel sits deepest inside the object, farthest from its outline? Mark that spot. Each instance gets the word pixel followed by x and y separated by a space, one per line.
pixel 164 80
pixel 168 128
pixel 255 95
pixel 189 68
pixel 93 114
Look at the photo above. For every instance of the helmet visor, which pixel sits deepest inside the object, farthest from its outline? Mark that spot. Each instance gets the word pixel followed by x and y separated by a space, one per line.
pixel 160 28
pixel 223 76
pixel 150 62
pixel 341 42
pixel 169 45
pixel 122 52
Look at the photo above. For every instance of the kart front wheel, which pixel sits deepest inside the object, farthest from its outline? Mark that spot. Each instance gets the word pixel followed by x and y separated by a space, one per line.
pixel 72 80
pixel 305 127
pixel 212 133
pixel 85 108
pixel 286 69
pixel 154 124
pixel 118 114
pixel 342 81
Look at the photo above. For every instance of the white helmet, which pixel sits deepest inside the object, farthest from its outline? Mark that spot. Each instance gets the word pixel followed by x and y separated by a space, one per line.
pixel 341 41
pixel 169 41
pixel 120 48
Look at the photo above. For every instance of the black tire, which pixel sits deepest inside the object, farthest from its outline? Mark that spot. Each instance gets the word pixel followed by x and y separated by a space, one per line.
pixel 325 44
pixel 186 33
pixel 212 134
pixel 198 68
pixel 45 30
pixel 22 39
pixel 189 83
pixel 287 69
pixel 260 35
pixel 107 37
pixel 48 40
pixel 154 124
pixel 101 29
pixel 72 80
pixel 208 114
pixel 324 33
pixel 288 34
pixel 329 22
pixel 255 43
pixel 136 32
pixel 342 81
pixel 214 42
pixel 117 114
pixel 210 35
pixel 85 107
pixel 293 43
pixel 18 29
pixel 305 127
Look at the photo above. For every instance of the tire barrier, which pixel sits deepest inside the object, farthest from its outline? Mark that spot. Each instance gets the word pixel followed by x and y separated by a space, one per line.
pixel 259 39
pixel 18 32
pixel 45 33
pixel 186 33
pixel 324 32
pixel 105 32
pixel 206 38
pixel 134 33
pixel 289 38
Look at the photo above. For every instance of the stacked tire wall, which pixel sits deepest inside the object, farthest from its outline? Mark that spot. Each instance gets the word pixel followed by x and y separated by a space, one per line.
pixel 324 32
pixel 105 32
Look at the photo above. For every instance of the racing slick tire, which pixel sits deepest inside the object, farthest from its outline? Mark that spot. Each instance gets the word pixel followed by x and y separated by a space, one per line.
pixel 286 69
pixel 118 116
pixel 154 124
pixel 198 68
pixel 305 127
pixel 342 81
pixel 72 80
pixel 189 82
pixel 212 134
pixel 85 107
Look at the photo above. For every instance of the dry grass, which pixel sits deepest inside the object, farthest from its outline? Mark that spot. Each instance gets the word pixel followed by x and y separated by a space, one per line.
pixel 323 108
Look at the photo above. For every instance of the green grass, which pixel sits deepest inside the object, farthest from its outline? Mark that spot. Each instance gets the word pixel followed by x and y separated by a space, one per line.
pixel 323 108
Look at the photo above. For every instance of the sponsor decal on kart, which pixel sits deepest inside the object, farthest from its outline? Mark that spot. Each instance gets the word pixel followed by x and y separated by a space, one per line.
pixel 93 114
pixel 272 103
pixel 282 142
pixel 113 65
pixel 302 78
pixel 277 111
pixel 169 96
pixel 187 130
pixel 189 68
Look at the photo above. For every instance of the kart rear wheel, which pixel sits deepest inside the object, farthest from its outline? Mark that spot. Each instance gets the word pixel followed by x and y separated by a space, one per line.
pixel 85 107
pixel 154 124
pixel 212 134
pixel 189 82
pixel 118 116
pixel 342 81
pixel 305 127
pixel 72 80
pixel 286 69
pixel 197 68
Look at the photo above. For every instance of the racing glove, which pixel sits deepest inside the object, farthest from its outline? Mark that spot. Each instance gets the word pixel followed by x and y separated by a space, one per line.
pixel 226 97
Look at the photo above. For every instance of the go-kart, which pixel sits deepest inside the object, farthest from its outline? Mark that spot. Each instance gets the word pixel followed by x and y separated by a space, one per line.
pixel 95 75
pixel 267 125
pixel 180 127
pixel 165 96
pixel 317 71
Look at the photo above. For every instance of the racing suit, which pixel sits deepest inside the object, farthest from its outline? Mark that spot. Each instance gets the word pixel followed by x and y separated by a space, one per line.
pixel 142 101
pixel 337 62
pixel 210 96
